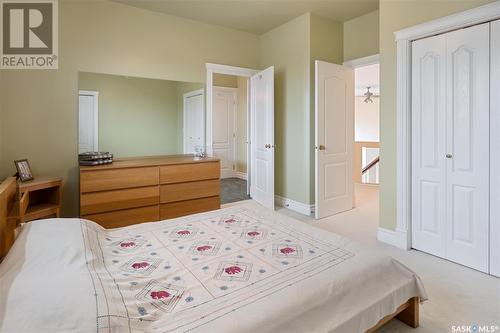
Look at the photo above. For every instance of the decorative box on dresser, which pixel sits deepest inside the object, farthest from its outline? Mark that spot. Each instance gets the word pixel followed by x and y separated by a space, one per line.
pixel 145 189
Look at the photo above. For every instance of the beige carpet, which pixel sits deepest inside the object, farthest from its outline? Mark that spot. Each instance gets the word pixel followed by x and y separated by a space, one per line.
pixel 457 295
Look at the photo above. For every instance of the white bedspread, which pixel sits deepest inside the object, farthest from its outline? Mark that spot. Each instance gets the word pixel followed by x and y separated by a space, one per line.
pixel 239 269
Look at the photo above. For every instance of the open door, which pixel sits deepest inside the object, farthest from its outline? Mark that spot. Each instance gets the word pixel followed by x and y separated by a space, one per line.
pixel 334 124
pixel 262 137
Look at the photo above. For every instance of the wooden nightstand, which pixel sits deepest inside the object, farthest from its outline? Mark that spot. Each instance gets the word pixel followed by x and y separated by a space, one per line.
pixel 38 198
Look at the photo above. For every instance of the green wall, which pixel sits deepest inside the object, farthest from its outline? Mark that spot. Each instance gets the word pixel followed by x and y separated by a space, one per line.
pixel 326 44
pixel 292 49
pixel 361 36
pixel 41 108
pixel 394 16
pixel 287 49
pixel 137 117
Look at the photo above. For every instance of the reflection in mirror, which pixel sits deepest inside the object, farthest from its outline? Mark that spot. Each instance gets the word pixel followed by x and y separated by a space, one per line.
pixel 131 116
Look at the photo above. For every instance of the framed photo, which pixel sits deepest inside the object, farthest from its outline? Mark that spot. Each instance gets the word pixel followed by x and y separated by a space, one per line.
pixel 23 170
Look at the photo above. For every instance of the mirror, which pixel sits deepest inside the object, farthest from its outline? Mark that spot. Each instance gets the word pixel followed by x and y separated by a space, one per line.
pixel 131 116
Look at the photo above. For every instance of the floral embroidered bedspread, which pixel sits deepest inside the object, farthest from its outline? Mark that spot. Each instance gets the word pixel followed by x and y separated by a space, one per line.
pixel 180 274
pixel 238 269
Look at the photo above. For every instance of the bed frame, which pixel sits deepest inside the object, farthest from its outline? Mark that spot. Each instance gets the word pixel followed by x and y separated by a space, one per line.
pixel 8 222
pixel 407 312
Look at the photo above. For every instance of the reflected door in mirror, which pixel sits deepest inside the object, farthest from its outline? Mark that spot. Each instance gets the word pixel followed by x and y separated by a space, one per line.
pixel 194 121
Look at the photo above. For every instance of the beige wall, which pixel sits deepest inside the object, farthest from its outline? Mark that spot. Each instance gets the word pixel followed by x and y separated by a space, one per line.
pixel 223 80
pixel 145 107
pixel 287 49
pixel 361 36
pixel 241 125
pixel 40 106
pixel 396 15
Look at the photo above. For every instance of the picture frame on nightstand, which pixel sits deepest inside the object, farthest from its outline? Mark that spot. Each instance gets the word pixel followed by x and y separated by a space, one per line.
pixel 23 170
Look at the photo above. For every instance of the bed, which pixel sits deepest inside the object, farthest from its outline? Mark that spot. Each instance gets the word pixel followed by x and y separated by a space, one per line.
pixel 237 269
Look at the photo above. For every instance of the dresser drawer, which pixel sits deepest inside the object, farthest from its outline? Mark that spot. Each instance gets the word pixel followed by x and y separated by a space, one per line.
pixel 103 180
pixel 98 202
pixel 182 208
pixel 187 191
pixel 123 218
pixel 189 172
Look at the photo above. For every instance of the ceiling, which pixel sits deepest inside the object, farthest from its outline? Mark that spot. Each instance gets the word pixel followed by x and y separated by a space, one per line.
pixel 255 16
pixel 367 76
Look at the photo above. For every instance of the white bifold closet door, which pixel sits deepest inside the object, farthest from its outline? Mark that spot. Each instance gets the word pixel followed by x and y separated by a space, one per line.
pixel 450 146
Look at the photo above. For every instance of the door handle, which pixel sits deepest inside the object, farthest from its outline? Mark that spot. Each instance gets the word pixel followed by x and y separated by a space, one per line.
pixel 449 156
pixel 267 145
pixel 321 147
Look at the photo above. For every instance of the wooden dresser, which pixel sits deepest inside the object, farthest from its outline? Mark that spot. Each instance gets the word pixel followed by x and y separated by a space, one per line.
pixel 146 189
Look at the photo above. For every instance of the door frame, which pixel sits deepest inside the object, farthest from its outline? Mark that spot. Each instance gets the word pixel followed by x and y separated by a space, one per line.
pixel 236 71
pixel 95 94
pixel 235 96
pixel 373 59
pixel 402 236
pixel 184 97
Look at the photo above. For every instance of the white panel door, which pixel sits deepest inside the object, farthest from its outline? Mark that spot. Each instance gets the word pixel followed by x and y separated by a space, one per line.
pixel 467 146
pixel 87 122
pixel 428 145
pixel 194 120
pixel 450 146
pixel 223 135
pixel 495 149
pixel 262 137
pixel 334 124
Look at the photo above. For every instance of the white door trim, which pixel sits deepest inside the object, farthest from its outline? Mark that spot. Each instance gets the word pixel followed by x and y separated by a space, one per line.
pixel 95 94
pixel 404 38
pixel 184 97
pixel 228 70
pixel 361 62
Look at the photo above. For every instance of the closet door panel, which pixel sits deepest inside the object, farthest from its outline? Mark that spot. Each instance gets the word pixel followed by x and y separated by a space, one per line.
pixel 467 146
pixel 428 145
pixel 495 149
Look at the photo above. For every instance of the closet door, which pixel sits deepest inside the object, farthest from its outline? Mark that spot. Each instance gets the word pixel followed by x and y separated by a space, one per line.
pixel 467 146
pixel 495 150
pixel 428 145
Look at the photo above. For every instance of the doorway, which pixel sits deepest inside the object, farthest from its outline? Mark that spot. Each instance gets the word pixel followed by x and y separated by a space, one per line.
pixel 347 132
pixel 366 155
pixel 236 99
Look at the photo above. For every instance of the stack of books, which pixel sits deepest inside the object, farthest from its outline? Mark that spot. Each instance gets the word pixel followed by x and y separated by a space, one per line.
pixel 95 158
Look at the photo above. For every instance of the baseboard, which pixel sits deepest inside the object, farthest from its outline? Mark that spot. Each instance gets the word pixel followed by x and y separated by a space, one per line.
pixel 391 237
pixel 296 206
pixel 241 175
